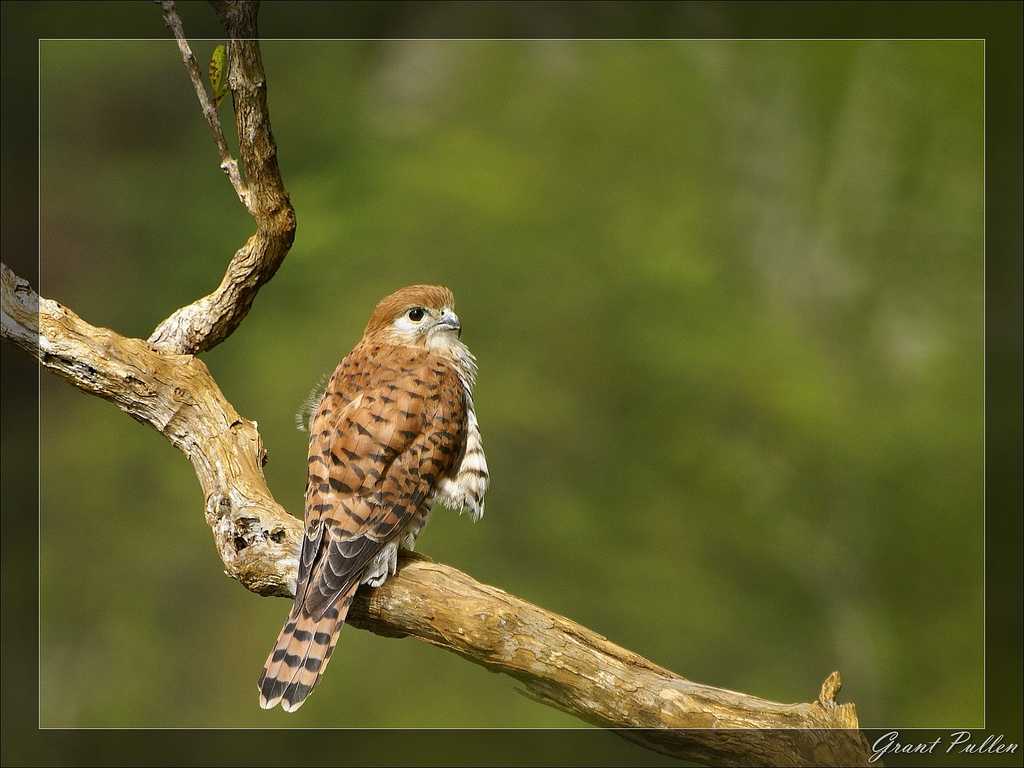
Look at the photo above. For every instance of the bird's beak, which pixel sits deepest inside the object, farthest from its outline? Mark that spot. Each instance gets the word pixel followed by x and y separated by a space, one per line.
pixel 449 320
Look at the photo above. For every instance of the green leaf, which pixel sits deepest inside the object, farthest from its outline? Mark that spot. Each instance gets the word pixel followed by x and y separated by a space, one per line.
pixel 218 79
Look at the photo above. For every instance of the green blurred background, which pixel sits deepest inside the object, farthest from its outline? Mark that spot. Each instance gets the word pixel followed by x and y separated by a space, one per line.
pixel 727 300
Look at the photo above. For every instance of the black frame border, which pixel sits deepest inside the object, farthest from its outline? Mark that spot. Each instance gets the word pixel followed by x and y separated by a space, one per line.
pixel 25 23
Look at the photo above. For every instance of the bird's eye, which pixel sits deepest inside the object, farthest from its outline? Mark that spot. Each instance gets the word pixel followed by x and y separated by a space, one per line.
pixel 416 314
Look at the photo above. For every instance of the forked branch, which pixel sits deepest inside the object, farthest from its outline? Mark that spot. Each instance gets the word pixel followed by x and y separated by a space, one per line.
pixel 558 662
pixel 211 319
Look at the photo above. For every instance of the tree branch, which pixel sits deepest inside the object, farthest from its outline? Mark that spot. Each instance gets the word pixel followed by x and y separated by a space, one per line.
pixel 227 163
pixel 176 395
pixel 211 319
pixel 558 662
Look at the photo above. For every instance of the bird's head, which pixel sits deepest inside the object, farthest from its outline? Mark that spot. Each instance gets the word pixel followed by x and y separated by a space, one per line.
pixel 418 316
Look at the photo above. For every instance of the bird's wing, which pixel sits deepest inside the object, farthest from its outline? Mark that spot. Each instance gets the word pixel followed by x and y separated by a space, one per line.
pixel 386 432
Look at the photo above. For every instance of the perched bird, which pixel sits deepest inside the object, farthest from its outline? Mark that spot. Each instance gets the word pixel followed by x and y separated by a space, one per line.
pixel 394 432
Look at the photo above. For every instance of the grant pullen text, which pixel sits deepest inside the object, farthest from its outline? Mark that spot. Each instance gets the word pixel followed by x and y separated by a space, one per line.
pixel 960 742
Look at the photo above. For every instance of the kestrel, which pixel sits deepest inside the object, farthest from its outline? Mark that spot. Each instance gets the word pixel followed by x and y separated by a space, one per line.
pixel 394 432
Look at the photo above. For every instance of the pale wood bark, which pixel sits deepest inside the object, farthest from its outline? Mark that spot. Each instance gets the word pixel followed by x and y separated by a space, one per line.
pixel 176 395
pixel 559 663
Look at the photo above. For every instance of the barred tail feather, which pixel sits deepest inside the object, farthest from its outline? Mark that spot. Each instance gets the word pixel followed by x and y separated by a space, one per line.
pixel 301 654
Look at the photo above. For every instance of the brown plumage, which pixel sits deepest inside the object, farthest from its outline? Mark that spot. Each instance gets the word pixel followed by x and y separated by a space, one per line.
pixel 395 430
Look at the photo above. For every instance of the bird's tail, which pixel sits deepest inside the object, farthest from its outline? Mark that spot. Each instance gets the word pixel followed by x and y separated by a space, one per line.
pixel 301 654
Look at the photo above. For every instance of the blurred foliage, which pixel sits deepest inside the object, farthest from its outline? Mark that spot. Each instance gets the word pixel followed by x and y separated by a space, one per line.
pixel 727 302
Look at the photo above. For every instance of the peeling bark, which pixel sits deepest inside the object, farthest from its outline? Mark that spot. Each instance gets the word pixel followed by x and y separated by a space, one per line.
pixel 176 395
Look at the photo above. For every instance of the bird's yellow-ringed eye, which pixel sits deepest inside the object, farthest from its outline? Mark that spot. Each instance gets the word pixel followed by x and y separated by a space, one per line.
pixel 416 314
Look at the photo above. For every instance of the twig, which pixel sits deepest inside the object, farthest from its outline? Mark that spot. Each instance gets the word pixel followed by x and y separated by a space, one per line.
pixel 227 163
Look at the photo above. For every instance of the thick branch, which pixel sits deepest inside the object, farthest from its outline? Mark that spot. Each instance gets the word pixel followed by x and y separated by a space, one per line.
pixel 559 662
pixel 176 395
pixel 211 319
pixel 572 668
